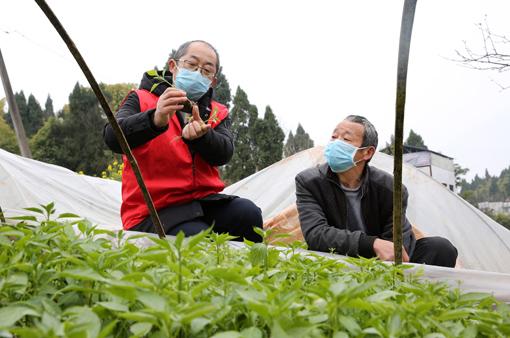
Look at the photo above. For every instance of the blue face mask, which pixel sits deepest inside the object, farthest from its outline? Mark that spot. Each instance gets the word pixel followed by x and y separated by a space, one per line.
pixel 193 83
pixel 340 155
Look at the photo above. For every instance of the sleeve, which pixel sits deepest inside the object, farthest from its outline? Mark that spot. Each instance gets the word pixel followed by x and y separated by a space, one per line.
pixel 407 231
pixel 321 236
pixel 138 127
pixel 216 146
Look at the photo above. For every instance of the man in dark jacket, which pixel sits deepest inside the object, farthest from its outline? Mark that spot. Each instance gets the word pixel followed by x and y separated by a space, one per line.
pixel 346 205
pixel 179 136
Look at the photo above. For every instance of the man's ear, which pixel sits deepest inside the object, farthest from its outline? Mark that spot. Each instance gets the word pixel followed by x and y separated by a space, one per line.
pixel 172 64
pixel 369 153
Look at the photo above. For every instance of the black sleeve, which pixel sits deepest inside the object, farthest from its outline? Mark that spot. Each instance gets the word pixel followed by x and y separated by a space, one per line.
pixel 216 146
pixel 320 235
pixel 138 127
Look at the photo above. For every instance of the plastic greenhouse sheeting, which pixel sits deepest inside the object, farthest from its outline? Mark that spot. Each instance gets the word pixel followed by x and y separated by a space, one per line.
pixel 483 244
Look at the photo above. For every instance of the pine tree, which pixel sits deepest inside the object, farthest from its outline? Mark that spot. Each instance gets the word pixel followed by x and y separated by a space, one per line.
pixel 35 118
pixel 222 92
pixel 74 140
pixel 7 137
pixel 415 140
pixel 269 140
pixel 241 164
pixel 297 142
pixel 21 102
pixel 290 147
pixel 48 108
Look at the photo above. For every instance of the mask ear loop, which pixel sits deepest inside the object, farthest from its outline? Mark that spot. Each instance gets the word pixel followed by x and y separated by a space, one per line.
pixel 354 154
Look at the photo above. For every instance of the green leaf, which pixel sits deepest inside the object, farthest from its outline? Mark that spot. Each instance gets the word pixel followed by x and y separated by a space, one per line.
pixel 474 297
pixel 198 324
pixel 67 215
pixel 11 314
pixel 383 295
pixel 258 254
pixel 228 274
pixel 108 329
pixel 197 311
pixel 350 324
pixel 251 332
pixel 139 317
pixel 37 210
pixel 454 314
pixel 23 218
pixel 337 288
pixel 340 334
pixel 140 329
pixel 318 319
pixel 227 334
pixel 82 274
pixel 114 306
pixel 82 322
pixel 372 331
pixel 152 300
pixel 394 325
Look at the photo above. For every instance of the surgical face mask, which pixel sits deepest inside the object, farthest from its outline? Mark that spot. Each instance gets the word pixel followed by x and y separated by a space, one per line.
pixel 193 83
pixel 340 155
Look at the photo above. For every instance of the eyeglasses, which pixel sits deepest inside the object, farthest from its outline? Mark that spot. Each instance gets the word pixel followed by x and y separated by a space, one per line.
pixel 207 71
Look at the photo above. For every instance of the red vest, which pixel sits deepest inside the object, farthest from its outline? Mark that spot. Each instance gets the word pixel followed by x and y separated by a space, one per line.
pixel 172 175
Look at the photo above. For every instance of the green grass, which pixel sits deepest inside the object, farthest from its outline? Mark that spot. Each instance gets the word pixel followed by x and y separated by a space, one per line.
pixel 58 282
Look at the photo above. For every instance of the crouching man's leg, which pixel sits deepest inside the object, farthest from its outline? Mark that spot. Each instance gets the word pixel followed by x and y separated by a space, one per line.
pixel 435 251
pixel 238 217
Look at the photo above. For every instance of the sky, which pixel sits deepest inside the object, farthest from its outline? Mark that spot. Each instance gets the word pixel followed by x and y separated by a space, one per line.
pixel 313 62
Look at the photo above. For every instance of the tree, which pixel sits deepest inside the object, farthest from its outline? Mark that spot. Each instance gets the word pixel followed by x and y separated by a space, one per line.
pixel 35 118
pixel 75 140
pixel 7 137
pixel 31 113
pixel 115 93
pixel 21 102
pixel 415 140
pixel 459 173
pixel 389 148
pixel 48 108
pixel 493 56
pixel 297 142
pixel 289 148
pixel 222 92
pixel 242 163
pixel 269 140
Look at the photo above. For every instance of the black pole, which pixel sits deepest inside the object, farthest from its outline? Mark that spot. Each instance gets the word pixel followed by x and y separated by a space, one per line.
pixel 21 136
pixel 111 118
pixel 406 29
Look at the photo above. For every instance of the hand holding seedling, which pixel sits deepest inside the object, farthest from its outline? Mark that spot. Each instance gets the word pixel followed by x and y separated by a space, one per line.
pixel 197 127
pixel 385 250
pixel 168 103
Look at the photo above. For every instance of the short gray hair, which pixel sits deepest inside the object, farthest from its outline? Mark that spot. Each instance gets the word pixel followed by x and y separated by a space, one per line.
pixel 183 49
pixel 370 137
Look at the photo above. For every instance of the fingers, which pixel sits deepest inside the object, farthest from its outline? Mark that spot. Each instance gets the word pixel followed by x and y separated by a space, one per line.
pixel 405 256
pixel 196 114
pixel 194 130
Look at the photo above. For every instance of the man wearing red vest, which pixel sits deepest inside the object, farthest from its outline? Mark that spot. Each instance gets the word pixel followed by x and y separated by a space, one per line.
pixel 178 147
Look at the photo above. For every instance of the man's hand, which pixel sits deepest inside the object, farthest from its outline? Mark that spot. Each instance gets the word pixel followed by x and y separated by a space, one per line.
pixel 168 103
pixel 385 251
pixel 196 128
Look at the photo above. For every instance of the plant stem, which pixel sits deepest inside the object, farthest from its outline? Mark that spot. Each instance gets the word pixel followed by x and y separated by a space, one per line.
pixel 406 29
pixel 111 118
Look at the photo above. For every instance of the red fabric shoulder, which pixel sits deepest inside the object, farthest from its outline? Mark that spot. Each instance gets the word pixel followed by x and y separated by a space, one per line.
pixel 147 99
pixel 218 113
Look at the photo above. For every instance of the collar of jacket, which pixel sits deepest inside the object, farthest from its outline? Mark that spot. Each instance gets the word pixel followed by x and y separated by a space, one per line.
pixel 149 80
pixel 326 171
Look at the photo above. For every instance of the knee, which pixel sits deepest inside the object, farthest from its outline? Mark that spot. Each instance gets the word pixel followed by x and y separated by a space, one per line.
pixel 248 212
pixel 443 248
